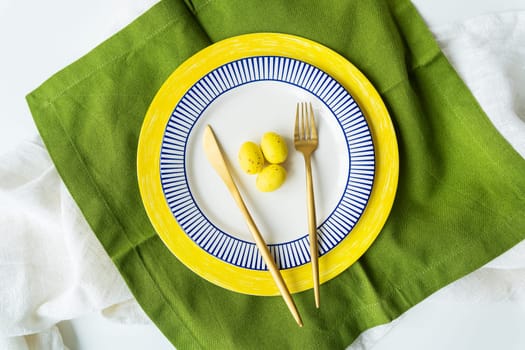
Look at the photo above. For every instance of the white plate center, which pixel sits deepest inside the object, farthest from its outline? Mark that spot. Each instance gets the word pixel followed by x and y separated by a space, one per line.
pixel 245 113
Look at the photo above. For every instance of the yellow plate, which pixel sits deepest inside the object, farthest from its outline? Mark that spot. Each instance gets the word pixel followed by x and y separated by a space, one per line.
pixel 245 86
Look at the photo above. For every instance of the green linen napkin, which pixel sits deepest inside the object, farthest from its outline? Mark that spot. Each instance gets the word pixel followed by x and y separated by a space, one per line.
pixel 460 199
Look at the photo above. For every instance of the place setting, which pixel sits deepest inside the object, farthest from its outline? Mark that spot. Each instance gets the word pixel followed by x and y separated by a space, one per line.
pixel 267 164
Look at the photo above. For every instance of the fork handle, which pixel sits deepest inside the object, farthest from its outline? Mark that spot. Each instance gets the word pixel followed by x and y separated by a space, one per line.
pixel 312 228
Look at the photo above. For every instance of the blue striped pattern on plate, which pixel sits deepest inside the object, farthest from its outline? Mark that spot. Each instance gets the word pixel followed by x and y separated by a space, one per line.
pixel 192 220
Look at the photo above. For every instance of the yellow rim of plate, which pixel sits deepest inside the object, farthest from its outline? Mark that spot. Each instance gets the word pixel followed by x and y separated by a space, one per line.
pixel 260 44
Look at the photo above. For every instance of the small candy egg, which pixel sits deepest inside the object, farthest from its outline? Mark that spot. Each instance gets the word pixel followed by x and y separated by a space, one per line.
pixel 270 178
pixel 274 147
pixel 250 158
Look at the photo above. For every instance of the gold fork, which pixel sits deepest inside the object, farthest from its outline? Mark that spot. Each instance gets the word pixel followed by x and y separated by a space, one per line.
pixel 305 141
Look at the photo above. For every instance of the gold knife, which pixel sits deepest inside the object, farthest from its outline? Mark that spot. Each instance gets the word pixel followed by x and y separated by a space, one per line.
pixel 219 163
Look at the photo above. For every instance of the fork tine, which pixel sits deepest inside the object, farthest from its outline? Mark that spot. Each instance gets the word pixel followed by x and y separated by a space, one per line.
pixel 313 129
pixel 306 122
pixel 296 134
pixel 304 125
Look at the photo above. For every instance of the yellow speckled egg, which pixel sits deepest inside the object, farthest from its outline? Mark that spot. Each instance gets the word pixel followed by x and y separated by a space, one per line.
pixel 270 178
pixel 251 158
pixel 274 147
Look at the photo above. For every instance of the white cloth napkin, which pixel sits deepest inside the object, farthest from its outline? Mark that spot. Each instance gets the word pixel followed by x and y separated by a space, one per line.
pixel 52 267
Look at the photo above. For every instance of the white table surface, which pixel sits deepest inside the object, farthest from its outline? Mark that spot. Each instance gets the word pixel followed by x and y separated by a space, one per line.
pixel 39 38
